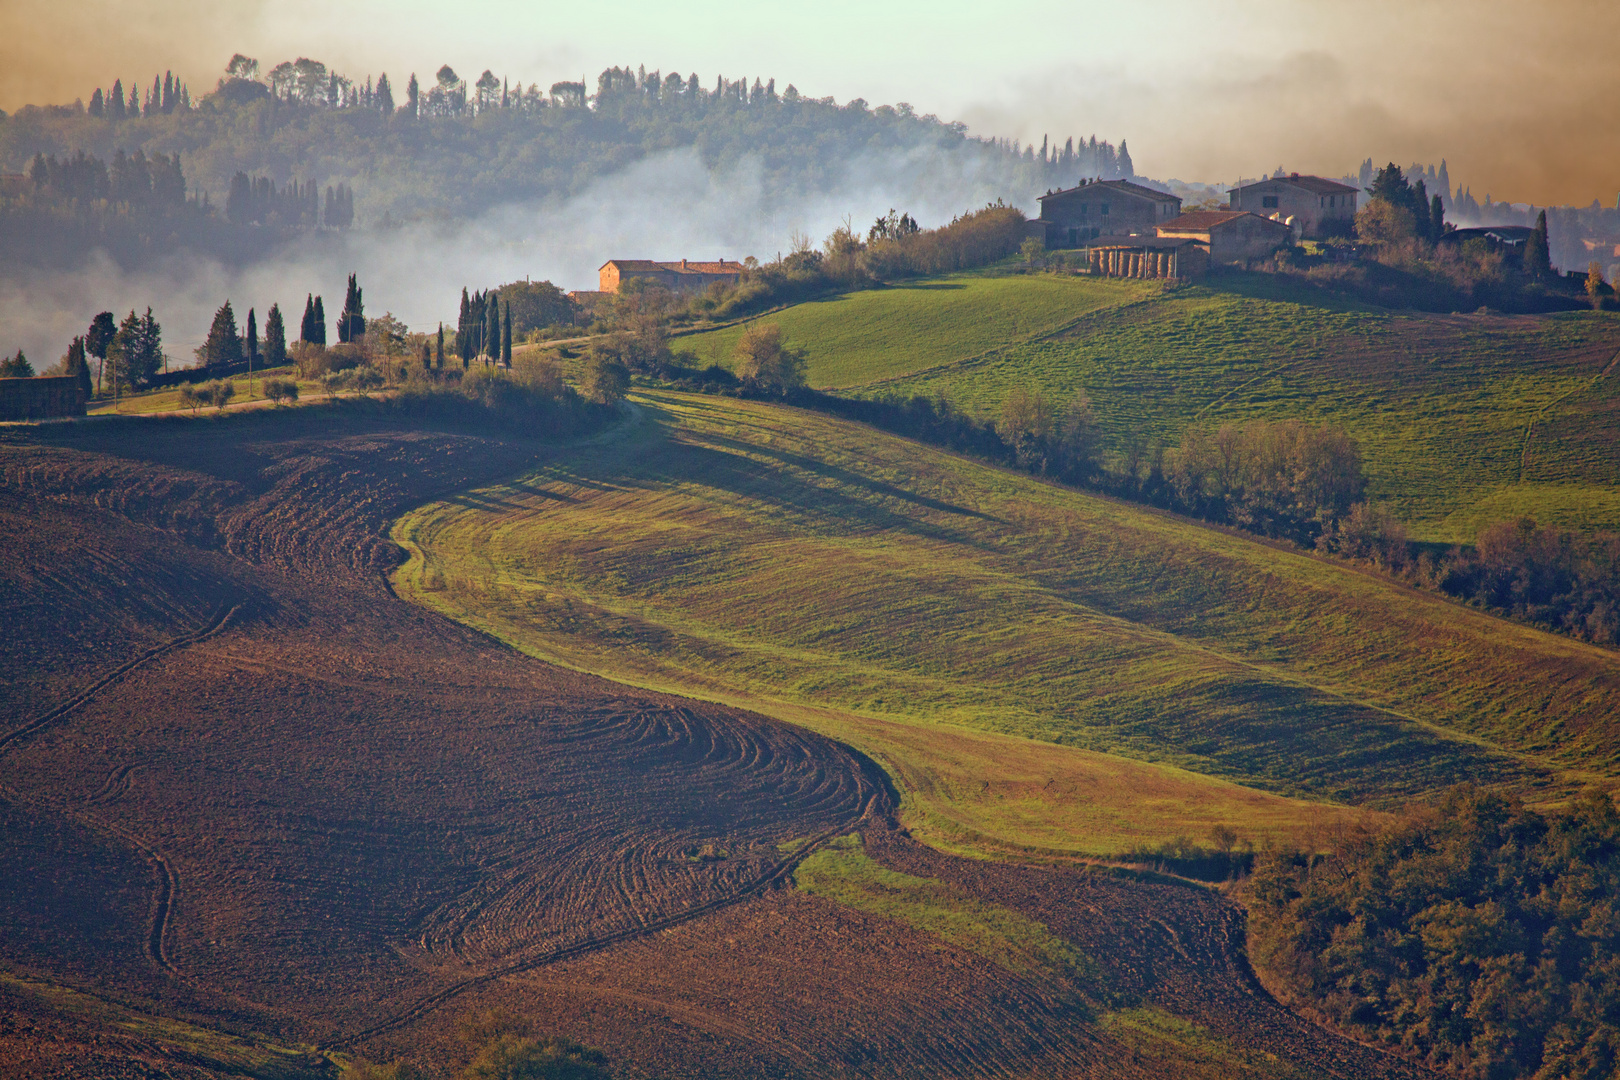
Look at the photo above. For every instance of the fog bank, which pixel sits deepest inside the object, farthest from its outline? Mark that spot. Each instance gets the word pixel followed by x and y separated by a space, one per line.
pixel 665 207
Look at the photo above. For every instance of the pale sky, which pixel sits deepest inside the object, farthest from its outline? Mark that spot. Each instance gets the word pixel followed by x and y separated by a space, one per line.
pixel 1522 98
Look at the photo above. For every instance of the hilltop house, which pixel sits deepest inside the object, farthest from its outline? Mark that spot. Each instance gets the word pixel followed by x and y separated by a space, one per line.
pixel 1075 216
pixel 683 276
pixel 1230 236
pixel 1314 206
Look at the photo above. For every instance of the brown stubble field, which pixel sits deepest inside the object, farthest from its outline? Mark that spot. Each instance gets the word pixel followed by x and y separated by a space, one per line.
pixel 248 793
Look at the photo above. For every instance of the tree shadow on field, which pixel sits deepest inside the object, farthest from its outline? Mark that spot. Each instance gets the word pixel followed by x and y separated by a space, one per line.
pixel 1286 289
pixel 851 479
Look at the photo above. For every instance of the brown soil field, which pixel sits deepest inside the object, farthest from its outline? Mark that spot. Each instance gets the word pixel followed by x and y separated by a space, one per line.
pixel 255 807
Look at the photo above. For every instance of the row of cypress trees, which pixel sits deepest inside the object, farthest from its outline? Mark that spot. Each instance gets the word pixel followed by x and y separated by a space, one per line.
pixel 484 328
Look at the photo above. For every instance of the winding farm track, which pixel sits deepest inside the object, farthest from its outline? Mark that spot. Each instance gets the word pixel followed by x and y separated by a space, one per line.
pixel 295 805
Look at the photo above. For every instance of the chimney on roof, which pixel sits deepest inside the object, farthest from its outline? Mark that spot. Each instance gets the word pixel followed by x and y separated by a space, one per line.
pixel 683 264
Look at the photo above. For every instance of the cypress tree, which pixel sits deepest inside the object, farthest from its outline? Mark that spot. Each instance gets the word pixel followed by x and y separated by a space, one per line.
pixel 492 328
pixel 438 358
pixel 413 92
pixel 1437 217
pixel 252 339
pixel 115 103
pixel 506 337
pixel 275 338
pixel 306 329
pixel 1537 252
pixel 134 109
pixel 320 322
pixel 463 330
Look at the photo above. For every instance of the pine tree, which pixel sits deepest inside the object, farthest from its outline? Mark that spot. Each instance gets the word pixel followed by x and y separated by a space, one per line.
pixel 1537 252
pixel 98 104
pixel 98 339
pixel 1437 217
pixel 275 338
pixel 506 337
pixel 222 348
pixel 319 325
pixel 134 109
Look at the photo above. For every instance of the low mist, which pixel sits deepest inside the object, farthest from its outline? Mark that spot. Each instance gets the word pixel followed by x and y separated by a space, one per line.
pixel 665 207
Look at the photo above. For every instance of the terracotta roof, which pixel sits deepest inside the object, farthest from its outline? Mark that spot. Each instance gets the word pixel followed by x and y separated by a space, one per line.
pixel 1316 185
pixel 630 266
pixel 1205 220
pixel 1124 187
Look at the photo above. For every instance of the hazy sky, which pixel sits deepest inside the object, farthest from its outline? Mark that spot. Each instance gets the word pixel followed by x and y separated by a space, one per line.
pixel 1522 98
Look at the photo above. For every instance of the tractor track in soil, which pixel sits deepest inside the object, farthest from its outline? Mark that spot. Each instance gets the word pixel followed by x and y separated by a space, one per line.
pixel 376 813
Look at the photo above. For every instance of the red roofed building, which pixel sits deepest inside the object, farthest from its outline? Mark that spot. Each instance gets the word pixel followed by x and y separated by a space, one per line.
pixel 1318 207
pixel 682 276
pixel 1230 236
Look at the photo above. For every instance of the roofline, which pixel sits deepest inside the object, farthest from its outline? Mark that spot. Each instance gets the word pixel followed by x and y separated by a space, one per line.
pixel 1295 180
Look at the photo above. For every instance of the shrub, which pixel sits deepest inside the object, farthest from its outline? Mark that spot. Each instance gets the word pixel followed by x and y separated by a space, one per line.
pixel 217 392
pixel 605 379
pixel 192 398
pixel 356 378
pixel 764 361
pixel 281 391
pixel 512 1057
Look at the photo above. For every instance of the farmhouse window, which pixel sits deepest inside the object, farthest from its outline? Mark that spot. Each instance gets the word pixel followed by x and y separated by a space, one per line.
pixel 1269 202
pixel 1085 208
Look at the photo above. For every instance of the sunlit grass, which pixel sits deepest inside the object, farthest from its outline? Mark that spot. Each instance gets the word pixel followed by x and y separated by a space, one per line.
pixel 1036 667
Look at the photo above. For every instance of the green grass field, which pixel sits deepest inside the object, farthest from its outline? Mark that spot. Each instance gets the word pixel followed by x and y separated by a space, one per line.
pixel 168 399
pixel 1463 419
pixel 940 614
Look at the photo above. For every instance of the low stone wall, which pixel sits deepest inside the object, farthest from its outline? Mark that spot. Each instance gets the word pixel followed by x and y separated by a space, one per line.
pixel 41 398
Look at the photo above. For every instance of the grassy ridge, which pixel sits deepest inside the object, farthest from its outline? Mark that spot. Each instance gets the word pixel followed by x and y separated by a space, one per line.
pixel 877 589
pixel 1464 419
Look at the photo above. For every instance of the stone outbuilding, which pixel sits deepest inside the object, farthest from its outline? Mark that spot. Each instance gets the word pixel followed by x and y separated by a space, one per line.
pixel 42 398
pixel 1317 207
pixel 1076 216
pixel 1149 257
pixel 1230 236
pixel 682 276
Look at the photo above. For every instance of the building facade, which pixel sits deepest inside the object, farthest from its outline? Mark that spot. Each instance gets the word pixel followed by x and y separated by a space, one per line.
pixel 1318 207
pixel 1230 236
pixel 1076 216
pixel 682 276
pixel 43 398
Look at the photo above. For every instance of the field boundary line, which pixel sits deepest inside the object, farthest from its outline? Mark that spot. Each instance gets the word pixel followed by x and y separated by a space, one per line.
pixel 783 869
pixel 1530 428
pixel 213 627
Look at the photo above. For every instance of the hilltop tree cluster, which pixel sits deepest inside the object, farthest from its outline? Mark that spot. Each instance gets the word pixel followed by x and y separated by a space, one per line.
pixel 131 180
pixel 166 95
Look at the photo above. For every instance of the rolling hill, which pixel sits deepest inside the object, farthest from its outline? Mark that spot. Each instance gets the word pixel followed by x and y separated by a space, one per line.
pixel 1463 419
pixel 936 613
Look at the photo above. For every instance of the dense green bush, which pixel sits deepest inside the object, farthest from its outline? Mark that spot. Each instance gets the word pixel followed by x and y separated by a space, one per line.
pixel 1477 935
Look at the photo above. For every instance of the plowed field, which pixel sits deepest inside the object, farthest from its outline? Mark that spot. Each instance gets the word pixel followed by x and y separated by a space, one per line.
pixel 254 806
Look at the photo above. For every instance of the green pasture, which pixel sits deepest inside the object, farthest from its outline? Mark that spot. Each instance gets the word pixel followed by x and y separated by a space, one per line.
pixel 1035 666
pixel 854 339
pixel 168 398
pixel 1463 419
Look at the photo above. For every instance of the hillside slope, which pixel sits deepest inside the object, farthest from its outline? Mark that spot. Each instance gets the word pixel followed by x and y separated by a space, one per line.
pixel 1464 419
pixel 830 574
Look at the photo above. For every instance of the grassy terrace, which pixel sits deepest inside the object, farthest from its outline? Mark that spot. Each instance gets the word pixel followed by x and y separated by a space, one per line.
pixel 1036 667
pixel 1464 419
pixel 168 399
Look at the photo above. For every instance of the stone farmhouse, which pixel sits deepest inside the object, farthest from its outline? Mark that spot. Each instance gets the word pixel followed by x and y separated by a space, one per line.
pixel 41 398
pixel 1076 216
pixel 1230 236
pixel 682 276
pixel 1316 207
